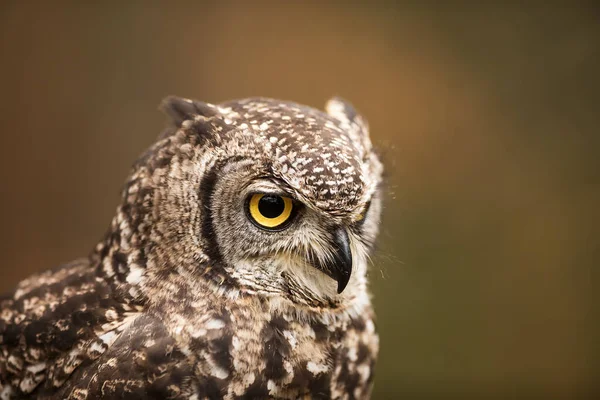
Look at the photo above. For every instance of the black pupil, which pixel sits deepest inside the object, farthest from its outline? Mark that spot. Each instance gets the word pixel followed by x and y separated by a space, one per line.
pixel 271 206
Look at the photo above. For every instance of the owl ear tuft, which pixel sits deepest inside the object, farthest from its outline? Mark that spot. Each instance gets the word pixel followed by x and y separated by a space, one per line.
pixel 180 109
pixel 345 112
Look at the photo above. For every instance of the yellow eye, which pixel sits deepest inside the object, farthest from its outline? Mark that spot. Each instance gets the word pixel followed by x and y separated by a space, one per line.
pixel 361 217
pixel 270 211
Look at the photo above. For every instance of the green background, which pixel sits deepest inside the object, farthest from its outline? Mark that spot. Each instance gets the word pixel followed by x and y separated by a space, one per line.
pixel 485 114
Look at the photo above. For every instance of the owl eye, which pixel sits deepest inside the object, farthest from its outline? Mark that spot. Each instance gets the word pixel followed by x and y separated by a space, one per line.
pixel 361 218
pixel 269 211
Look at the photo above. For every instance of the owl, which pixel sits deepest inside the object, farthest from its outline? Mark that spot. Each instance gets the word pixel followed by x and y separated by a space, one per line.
pixel 235 267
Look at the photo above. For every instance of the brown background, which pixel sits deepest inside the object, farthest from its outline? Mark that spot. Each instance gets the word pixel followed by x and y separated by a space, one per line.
pixel 486 117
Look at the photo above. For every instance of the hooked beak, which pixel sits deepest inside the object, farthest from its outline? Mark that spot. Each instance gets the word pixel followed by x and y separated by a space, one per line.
pixel 340 266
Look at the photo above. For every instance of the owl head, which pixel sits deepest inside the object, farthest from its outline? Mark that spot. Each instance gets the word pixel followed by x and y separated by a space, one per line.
pixel 258 197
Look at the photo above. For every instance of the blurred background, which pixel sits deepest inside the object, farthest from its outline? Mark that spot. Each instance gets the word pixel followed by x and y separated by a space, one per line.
pixel 486 116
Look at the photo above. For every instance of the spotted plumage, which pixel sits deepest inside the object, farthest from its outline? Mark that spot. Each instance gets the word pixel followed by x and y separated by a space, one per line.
pixel 190 295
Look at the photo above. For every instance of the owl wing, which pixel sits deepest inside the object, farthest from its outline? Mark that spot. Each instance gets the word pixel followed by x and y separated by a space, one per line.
pixel 53 324
pixel 142 363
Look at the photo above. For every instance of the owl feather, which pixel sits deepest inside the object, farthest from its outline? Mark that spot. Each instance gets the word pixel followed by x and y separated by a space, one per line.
pixel 235 267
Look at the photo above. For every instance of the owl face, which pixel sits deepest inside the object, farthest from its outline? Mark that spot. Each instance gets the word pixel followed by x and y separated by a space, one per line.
pixel 275 242
pixel 281 197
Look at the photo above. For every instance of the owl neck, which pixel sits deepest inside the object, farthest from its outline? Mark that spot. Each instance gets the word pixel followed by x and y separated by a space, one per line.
pixel 143 287
pixel 185 287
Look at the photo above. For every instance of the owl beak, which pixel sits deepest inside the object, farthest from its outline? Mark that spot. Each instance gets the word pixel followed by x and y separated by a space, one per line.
pixel 340 268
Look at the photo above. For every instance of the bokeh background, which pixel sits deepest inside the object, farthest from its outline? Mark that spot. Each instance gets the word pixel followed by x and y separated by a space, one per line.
pixel 486 116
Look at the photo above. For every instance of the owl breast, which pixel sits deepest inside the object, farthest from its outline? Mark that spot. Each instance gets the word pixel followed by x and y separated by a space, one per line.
pixel 247 350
